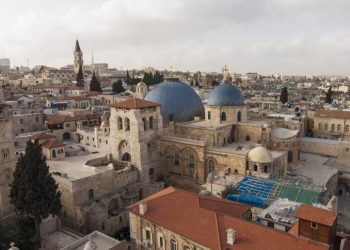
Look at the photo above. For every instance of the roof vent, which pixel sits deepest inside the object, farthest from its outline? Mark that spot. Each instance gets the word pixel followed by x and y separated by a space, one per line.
pixel 231 236
pixel 142 208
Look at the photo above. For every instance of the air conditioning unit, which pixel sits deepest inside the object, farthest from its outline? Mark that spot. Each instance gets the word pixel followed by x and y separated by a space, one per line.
pixel 146 243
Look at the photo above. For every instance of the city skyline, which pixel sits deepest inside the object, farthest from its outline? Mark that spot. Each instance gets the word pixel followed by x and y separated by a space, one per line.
pixel 282 37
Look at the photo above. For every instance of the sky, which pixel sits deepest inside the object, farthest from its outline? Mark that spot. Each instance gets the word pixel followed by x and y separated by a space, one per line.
pixel 307 37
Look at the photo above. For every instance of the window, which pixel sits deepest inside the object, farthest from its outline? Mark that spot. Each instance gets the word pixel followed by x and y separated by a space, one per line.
pixel 320 126
pixel 223 116
pixel 209 115
pixel 191 162
pixel 239 116
pixel 150 122
pixel 338 127
pixel 247 138
pixel 53 153
pixel 333 127
pixel 161 243
pixel 211 166
pixel 347 128
pixel 314 225
pixel 173 244
pixel 148 234
pixel 265 168
pixel 120 123
pixel 91 194
pixel 144 124
pixel 177 159
pixel 67 125
pixel 326 126
pixel 187 247
pixel 255 168
pixel 127 124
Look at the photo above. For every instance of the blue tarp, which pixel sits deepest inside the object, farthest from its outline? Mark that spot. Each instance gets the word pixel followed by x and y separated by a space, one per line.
pixel 254 201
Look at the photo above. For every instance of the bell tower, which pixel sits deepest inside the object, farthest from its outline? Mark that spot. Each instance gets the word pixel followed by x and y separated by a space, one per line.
pixel 7 159
pixel 78 57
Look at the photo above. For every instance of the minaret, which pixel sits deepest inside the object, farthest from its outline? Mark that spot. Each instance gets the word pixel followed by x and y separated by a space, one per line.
pixel 78 57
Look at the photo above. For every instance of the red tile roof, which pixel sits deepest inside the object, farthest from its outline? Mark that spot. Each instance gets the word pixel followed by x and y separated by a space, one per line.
pixel 52 144
pixel 42 136
pixel 315 214
pixel 135 103
pixel 205 220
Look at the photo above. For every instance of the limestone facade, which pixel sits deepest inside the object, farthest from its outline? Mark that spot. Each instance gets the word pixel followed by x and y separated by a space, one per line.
pixel 7 161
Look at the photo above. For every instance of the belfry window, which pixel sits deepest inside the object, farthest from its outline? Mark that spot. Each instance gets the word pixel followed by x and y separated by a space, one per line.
pixel 223 116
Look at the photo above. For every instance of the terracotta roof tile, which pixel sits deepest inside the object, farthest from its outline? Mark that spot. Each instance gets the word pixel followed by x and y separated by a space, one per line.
pixel 135 103
pixel 52 144
pixel 205 221
pixel 42 136
pixel 319 215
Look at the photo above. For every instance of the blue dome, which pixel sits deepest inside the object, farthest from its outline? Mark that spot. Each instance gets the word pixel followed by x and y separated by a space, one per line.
pixel 225 94
pixel 178 101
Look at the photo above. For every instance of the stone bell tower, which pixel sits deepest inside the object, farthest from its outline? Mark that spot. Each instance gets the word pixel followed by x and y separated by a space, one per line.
pixel 7 159
pixel 78 57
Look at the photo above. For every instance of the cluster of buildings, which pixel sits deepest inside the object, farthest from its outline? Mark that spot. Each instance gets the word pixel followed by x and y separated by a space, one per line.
pixel 176 166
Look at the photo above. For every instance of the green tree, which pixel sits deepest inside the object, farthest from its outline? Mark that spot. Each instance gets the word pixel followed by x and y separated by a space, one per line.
pixel 127 77
pixel 33 192
pixel 80 77
pixel 329 95
pixel 118 87
pixel 95 84
pixel 284 95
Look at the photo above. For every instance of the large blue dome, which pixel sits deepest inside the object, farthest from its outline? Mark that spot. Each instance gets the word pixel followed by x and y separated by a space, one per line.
pixel 225 94
pixel 178 101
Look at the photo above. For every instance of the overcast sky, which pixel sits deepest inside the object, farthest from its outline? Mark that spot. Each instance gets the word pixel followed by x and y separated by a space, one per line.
pixel 264 36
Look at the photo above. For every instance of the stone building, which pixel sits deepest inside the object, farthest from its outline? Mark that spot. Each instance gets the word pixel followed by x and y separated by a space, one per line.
pixel 7 159
pixel 175 219
pixel 331 124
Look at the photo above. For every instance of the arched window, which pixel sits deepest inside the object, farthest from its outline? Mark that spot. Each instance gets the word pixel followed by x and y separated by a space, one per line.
pixel 247 138
pixel 91 194
pixel 120 123
pixel 266 168
pixel 239 116
pixel 333 127
pixel 347 128
pixel 191 162
pixel 255 168
pixel 211 166
pixel 209 115
pixel 338 127
pixel 113 207
pixel 144 124
pixel 150 123
pixel 54 153
pixel 223 116
pixel 173 244
pixel 127 124
pixel 177 159
pixel 235 172
pixel 126 157
pixel 290 156
pixel 326 126
pixel 320 126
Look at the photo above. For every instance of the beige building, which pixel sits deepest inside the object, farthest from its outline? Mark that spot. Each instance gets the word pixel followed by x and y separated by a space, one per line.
pixel 331 124
pixel 7 160
pixel 174 219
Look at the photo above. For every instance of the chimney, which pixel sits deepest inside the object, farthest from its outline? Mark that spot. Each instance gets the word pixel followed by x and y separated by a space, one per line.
pixel 231 236
pixel 142 208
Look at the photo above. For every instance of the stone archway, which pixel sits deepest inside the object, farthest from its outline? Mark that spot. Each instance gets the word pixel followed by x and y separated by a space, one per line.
pixel 189 160
pixel 124 151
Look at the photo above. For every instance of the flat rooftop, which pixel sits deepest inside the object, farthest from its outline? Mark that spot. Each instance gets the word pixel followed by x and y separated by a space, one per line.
pixel 74 166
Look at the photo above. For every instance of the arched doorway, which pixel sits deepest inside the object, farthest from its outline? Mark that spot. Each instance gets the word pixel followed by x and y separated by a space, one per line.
pixel 66 136
pixel 54 153
pixel 126 157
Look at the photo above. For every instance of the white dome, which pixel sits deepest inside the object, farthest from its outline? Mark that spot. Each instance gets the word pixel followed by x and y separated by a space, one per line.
pixel 260 154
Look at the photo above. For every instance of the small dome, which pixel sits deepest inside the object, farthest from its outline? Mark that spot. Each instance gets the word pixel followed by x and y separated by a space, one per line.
pixel 260 154
pixel 142 85
pixel 225 94
pixel 177 99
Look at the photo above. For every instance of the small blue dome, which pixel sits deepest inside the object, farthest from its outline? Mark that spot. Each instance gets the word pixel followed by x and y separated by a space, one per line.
pixel 178 100
pixel 225 94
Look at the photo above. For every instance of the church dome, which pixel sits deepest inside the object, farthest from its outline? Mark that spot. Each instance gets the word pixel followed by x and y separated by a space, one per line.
pixel 178 101
pixel 225 94
pixel 260 154
pixel 142 85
